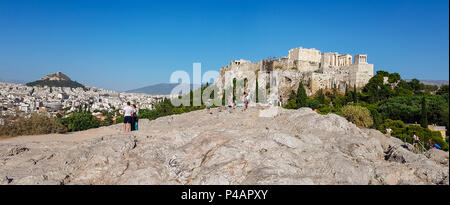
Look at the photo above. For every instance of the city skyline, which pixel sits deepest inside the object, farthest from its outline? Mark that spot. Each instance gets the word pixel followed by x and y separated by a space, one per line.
pixel 98 43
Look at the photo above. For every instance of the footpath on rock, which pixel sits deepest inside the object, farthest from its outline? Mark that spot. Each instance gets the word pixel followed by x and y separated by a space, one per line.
pixel 257 146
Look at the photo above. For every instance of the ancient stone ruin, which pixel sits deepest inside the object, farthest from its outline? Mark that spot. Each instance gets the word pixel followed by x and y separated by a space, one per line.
pixel 314 69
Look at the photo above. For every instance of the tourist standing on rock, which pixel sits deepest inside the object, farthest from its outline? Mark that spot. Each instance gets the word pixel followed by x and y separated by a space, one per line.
pixel 134 118
pixel 208 106
pixel 388 131
pixel 246 100
pixel 415 138
pixel 127 113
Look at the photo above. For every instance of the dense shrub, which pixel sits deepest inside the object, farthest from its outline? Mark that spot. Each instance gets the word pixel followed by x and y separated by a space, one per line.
pixel 33 125
pixel 80 120
pixel 312 103
pixel 358 115
pixel 120 119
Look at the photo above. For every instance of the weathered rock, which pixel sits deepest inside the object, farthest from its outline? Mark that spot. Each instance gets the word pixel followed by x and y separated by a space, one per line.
pixel 438 156
pixel 227 147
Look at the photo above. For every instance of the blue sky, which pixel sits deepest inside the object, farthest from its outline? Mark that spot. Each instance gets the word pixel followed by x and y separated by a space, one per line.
pixel 122 45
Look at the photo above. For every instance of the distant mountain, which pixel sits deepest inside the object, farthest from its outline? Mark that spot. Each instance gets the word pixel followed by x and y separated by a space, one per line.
pixel 57 79
pixel 432 82
pixel 158 89
pixel 12 81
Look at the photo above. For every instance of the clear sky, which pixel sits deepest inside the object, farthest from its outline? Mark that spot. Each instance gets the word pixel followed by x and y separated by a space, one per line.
pixel 122 45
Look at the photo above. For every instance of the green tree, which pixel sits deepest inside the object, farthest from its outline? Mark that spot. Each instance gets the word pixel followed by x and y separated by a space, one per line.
pixel 234 89
pixel 416 85
pixel 404 84
pixel 339 101
pixel 320 97
pixel 301 96
pixel 424 114
pixel 408 109
pixel 394 77
pixel 430 88
pixel 444 92
pixel 257 90
pixel 397 126
pixel 223 98
pixel 291 103
pixel 382 73
pixel 401 91
pixel 312 103
pixel 376 90
pixel 372 89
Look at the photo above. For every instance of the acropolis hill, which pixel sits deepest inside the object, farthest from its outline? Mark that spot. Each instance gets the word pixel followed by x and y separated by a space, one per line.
pixel 314 69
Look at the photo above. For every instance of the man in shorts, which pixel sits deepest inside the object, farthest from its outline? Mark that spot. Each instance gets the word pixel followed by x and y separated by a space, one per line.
pixel 127 113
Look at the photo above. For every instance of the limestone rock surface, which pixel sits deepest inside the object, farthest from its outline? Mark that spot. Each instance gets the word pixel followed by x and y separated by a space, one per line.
pixel 227 147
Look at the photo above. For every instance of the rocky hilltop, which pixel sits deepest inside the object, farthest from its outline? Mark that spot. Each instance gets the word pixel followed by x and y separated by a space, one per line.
pixel 57 79
pixel 258 146
pixel 58 76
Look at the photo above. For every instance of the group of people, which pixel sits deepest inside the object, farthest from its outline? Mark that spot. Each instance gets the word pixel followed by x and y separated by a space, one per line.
pixel 130 120
pixel 245 100
pixel 244 105
pixel 416 139
pixel 277 100
pixel 431 144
